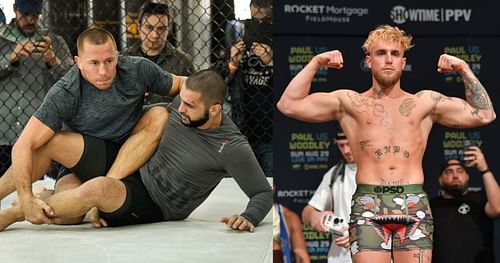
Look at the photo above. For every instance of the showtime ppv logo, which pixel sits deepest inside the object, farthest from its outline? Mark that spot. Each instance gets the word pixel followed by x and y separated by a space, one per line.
pixel 401 15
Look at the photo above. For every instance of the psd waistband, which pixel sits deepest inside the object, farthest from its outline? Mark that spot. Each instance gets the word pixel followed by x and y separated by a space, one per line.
pixel 390 189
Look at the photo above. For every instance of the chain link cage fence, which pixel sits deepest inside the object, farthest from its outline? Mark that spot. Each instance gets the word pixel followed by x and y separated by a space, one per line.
pixel 181 36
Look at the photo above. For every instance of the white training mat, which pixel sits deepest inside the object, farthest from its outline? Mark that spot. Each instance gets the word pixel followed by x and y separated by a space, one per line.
pixel 200 238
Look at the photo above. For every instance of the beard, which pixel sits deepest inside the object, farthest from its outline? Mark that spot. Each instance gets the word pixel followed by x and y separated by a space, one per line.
pixel 455 190
pixel 387 81
pixel 196 123
pixel 30 27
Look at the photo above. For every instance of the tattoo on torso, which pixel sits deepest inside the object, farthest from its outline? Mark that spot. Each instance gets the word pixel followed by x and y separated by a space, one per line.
pixel 389 149
pixel 407 106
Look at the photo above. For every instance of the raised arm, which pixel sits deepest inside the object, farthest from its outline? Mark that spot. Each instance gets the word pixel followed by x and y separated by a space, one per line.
pixel 477 110
pixel 296 102
pixel 34 136
pixel 177 83
pixel 476 158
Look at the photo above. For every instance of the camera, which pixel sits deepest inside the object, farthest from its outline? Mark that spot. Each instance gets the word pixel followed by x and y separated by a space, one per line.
pixel 36 43
pixel 467 145
pixel 335 225
pixel 259 32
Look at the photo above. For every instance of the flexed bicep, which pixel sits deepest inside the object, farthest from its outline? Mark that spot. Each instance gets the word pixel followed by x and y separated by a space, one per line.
pixel 455 112
pixel 317 107
pixel 478 109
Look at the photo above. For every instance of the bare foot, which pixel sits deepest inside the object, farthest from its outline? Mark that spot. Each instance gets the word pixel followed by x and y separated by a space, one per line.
pixel 95 219
pixel 9 216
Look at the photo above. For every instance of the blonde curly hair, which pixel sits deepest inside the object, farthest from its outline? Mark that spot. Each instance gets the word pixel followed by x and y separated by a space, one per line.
pixel 388 33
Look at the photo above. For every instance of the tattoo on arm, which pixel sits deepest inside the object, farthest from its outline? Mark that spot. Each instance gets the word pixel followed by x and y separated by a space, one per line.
pixel 476 95
pixel 436 97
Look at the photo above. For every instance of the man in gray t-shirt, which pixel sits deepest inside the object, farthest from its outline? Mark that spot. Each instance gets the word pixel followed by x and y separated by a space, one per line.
pixel 200 146
pixel 99 99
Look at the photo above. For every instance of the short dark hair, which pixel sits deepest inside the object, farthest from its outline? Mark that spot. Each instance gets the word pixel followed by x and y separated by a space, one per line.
pixel 210 83
pixel 149 8
pixel 94 35
pixel 262 3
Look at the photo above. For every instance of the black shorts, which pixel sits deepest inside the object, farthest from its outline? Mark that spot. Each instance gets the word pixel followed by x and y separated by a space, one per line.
pixel 98 156
pixel 138 207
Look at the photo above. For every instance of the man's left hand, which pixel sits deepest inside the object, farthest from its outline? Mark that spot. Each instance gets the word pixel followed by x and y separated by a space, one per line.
pixel 238 222
pixel 475 157
pixel 264 52
pixel 44 47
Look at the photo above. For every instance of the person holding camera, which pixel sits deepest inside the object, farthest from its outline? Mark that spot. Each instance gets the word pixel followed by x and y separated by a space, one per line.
pixel 154 27
pixel 333 197
pixel 31 60
pixel 463 219
pixel 250 82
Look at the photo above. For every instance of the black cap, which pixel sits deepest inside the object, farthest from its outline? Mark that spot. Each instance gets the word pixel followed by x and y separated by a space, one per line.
pixel 447 163
pixel 339 134
pixel 29 6
pixel 262 3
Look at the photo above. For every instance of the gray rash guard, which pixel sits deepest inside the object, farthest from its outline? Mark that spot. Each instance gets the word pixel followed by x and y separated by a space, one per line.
pixel 190 162
pixel 105 114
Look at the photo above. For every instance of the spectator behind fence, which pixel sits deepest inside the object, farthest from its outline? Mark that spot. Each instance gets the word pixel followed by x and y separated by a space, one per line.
pixel 463 225
pixel 31 60
pixel 2 17
pixel 154 25
pixel 250 82
pixel 333 197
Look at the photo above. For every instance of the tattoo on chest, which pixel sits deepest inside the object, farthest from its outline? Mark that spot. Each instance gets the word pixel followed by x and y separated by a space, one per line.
pixel 389 149
pixel 406 107
pixel 365 105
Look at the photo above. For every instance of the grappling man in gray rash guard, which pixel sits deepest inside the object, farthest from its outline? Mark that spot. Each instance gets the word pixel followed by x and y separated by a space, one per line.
pixel 200 146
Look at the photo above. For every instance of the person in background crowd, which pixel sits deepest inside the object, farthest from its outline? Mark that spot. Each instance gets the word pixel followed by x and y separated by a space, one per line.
pixel 250 82
pixel 2 17
pixel 289 244
pixel 154 24
pixel 333 197
pixel 463 219
pixel 31 60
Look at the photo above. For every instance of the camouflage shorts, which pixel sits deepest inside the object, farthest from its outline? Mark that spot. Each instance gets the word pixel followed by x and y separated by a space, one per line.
pixel 390 218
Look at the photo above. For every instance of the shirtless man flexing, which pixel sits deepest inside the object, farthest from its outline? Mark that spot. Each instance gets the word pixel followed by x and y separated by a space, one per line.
pixel 388 130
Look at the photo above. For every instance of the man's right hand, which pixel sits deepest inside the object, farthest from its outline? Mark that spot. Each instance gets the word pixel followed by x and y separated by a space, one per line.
pixel 318 219
pixel 331 59
pixel 237 51
pixel 22 51
pixel 36 211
